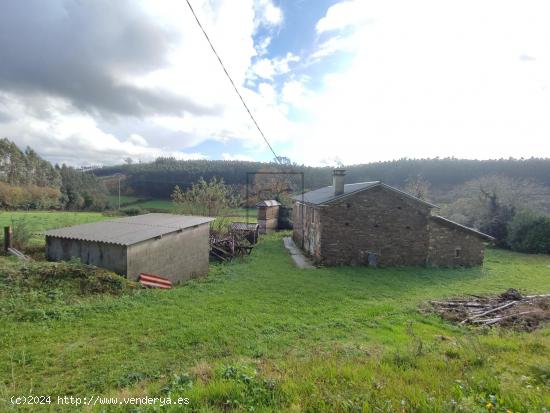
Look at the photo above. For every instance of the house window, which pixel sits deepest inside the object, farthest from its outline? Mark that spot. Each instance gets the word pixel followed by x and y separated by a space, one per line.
pixel 458 251
pixel 348 205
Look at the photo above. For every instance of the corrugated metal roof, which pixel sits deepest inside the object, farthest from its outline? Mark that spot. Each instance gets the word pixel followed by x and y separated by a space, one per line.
pixel 456 224
pixel 326 195
pixel 243 226
pixel 268 203
pixel 130 230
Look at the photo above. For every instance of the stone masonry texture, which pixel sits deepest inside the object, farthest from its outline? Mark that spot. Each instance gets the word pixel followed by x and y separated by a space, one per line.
pixel 386 223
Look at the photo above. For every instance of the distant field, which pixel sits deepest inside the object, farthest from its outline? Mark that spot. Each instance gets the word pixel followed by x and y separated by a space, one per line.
pixel 42 220
pixel 235 214
pixel 165 204
pixel 124 200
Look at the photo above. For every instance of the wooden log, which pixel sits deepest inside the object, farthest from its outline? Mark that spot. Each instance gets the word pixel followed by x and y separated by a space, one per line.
pixel 499 319
pixel 502 307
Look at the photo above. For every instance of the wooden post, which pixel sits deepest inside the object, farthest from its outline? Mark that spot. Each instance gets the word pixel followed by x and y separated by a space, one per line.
pixel 8 236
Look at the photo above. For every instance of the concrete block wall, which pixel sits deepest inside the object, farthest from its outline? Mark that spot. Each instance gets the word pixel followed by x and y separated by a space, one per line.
pixel 100 254
pixel 177 256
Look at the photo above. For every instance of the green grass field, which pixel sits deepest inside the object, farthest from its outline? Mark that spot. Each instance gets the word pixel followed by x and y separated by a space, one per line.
pixel 124 200
pixel 39 221
pixel 261 335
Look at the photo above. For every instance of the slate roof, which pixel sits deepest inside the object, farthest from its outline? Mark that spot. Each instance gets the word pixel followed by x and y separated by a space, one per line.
pixel 130 230
pixel 450 223
pixel 326 195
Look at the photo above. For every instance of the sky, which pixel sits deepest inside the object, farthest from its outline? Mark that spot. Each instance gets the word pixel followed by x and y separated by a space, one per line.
pixel 94 82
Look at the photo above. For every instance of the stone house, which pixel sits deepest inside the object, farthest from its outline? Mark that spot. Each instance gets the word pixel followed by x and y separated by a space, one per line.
pixel 173 246
pixel 374 223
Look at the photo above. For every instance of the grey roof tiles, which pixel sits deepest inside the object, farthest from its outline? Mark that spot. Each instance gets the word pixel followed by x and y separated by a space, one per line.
pixel 130 230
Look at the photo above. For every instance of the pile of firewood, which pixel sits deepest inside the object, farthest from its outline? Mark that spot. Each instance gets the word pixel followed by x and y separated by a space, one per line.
pixel 507 309
pixel 229 246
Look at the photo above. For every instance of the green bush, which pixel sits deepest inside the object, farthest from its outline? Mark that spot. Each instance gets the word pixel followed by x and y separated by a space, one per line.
pixel 132 211
pixel 530 233
pixel 22 233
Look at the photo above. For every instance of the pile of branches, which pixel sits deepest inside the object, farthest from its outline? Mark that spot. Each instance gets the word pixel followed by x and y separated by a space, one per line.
pixel 228 246
pixel 510 309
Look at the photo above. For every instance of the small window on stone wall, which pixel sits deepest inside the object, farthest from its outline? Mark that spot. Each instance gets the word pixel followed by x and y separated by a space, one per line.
pixel 408 227
pixel 346 224
pixel 348 205
pixel 458 252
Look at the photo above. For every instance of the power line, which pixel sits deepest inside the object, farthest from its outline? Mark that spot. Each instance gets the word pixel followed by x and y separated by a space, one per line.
pixel 232 83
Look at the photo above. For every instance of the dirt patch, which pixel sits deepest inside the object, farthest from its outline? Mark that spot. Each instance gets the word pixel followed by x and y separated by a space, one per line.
pixel 510 309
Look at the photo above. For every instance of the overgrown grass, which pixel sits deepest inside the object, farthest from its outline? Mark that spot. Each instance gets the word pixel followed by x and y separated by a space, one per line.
pixel 262 335
pixel 40 291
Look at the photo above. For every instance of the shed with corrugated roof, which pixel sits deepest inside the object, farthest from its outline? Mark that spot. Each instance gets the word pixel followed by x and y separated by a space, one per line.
pixel 172 246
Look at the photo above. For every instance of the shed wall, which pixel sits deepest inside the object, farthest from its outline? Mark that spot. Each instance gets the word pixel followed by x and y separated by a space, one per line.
pixel 177 256
pixel 268 212
pixel 100 254
pixel 446 240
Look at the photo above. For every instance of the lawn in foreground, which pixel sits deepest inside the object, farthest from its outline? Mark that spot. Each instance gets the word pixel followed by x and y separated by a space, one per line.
pixel 262 334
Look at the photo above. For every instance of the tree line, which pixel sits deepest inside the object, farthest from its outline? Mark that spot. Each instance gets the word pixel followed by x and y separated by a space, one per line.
pixel 157 179
pixel 30 182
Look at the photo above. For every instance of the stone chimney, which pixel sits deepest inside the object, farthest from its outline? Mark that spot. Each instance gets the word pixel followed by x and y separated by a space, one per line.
pixel 338 181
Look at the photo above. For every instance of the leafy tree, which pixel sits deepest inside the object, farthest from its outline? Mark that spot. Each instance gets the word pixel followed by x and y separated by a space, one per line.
pixel 417 186
pixel 203 198
pixel 529 233
pixel 490 203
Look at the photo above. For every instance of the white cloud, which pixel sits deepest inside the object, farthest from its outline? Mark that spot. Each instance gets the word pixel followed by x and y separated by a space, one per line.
pixel 236 157
pixel 433 78
pixel 192 72
pixel 269 68
pixel 345 14
pixel 268 13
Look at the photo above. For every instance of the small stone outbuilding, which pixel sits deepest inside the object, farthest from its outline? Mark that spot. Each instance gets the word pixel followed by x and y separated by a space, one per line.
pixel 374 223
pixel 268 215
pixel 172 246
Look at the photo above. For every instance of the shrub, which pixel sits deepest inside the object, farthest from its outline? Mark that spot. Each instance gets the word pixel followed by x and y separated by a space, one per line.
pixel 132 211
pixel 530 233
pixel 21 233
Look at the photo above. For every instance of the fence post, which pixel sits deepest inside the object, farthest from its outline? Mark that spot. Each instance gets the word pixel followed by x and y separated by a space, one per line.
pixel 8 236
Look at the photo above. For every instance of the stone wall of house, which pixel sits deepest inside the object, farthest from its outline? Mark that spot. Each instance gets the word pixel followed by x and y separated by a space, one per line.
pixel 307 229
pixel 452 246
pixel 378 221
